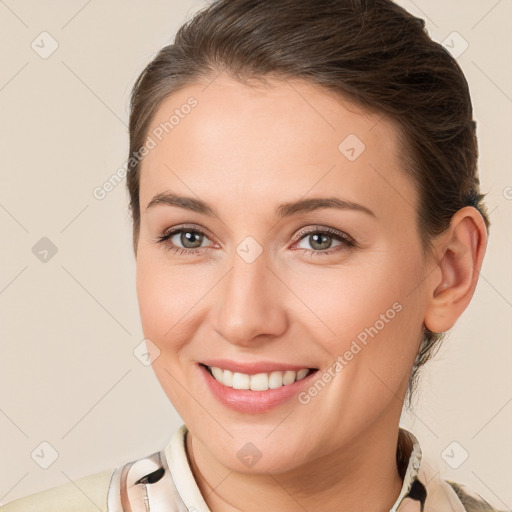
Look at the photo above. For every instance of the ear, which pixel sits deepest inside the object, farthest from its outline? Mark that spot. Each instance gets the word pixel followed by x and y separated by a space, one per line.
pixel 460 251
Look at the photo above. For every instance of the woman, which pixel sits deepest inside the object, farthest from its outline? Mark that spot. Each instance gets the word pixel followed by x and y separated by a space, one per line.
pixel 307 222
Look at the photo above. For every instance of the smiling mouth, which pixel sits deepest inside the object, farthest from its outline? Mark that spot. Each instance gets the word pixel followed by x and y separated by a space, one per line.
pixel 257 381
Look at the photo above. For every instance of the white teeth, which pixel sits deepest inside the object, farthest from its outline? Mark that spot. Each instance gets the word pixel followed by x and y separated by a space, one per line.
pixel 241 381
pixel 275 380
pixel 302 373
pixel 227 378
pixel 289 377
pixel 217 373
pixel 258 381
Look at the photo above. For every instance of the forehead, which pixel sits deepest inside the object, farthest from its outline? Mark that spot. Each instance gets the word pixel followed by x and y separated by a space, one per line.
pixel 266 139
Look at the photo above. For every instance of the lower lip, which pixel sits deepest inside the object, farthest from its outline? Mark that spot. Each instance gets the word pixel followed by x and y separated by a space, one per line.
pixel 253 402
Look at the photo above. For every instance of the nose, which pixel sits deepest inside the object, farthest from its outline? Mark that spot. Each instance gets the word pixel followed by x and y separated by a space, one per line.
pixel 250 307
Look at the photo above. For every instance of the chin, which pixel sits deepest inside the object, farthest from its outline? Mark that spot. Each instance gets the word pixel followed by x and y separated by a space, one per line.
pixel 252 450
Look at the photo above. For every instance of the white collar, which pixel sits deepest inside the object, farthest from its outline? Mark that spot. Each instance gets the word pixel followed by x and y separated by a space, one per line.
pixel 163 481
pixel 188 490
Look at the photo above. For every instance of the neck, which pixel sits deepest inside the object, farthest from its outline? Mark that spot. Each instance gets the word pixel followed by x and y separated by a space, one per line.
pixel 363 476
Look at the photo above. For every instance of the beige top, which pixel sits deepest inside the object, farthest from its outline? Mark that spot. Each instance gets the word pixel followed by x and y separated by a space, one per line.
pixel 163 481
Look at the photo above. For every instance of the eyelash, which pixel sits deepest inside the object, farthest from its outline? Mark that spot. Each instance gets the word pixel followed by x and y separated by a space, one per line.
pixel 347 241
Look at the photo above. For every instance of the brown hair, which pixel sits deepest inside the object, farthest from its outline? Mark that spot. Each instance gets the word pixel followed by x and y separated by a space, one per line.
pixel 372 52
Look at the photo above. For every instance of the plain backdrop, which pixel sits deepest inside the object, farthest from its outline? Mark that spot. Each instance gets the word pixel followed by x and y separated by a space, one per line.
pixel 70 384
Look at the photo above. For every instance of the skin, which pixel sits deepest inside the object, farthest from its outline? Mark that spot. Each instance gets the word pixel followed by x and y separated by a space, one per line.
pixel 244 150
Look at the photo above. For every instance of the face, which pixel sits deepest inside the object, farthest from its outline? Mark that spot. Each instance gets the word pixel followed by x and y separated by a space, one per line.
pixel 318 306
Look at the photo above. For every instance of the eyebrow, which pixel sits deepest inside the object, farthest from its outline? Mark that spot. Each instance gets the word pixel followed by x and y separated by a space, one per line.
pixel 283 210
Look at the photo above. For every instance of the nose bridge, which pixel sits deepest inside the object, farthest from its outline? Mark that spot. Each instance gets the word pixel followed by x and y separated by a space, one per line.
pixel 248 304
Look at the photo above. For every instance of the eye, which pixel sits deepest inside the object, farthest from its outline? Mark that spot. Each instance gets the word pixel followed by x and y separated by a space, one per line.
pixel 190 238
pixel 321 240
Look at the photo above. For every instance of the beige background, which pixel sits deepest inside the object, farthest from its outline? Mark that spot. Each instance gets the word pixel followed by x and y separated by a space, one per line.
pixel 69 326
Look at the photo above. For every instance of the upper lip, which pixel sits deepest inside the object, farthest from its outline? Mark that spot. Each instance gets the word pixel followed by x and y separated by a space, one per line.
pixel 251 368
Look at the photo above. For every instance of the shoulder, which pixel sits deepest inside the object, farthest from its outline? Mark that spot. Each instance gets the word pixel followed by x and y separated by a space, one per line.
pixel 471 501
pixel 437 494
pixel 147 479
pixel 87 494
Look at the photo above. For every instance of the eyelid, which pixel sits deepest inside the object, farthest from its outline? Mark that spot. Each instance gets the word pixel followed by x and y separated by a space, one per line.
pixel 322 229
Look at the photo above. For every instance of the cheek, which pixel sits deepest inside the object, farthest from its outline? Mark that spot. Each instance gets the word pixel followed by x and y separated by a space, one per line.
pixel 377 325
pixel 164 301
pixel 169 297
pixel 374 313
pixel 161 298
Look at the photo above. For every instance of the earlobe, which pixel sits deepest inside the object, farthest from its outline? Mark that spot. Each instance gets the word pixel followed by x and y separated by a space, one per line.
pixel 460 254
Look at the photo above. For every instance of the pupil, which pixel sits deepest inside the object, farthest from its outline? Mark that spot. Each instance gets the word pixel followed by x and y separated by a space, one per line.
pixel 189 236
pixel 323 244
